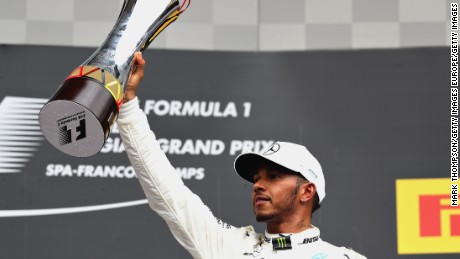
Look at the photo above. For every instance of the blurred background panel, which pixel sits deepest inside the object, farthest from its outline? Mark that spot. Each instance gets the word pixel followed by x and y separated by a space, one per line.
pixel 240 25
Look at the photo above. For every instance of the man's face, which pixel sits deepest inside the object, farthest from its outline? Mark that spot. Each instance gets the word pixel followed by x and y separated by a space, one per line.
pixel 274 194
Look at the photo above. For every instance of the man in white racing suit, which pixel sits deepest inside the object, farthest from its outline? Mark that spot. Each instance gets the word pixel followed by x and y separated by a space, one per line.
pixel 288 185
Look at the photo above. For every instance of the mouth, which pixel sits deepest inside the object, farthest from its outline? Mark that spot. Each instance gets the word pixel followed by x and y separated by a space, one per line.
pixel 261 200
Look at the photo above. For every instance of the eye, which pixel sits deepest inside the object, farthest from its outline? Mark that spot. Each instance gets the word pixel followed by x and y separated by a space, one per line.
pixel 273 176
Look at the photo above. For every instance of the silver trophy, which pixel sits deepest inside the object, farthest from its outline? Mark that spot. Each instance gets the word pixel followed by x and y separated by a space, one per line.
pixel 78 117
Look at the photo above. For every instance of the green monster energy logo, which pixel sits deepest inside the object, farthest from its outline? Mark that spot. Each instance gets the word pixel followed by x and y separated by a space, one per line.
pixel 281 243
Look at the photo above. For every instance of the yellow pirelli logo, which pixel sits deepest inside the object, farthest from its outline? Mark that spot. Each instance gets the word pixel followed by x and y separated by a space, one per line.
pixel 426 221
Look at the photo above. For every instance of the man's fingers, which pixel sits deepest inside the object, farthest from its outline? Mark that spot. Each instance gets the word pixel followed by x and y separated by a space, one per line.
pixel 138 64
pixel 139 60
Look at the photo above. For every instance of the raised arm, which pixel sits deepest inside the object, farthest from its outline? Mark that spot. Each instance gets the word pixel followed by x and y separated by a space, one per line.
pixel 190 221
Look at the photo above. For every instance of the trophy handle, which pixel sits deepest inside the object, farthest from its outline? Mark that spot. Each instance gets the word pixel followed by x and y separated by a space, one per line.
pixel 171 16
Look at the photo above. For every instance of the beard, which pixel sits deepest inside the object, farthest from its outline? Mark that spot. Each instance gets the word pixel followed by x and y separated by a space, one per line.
pixel 286 206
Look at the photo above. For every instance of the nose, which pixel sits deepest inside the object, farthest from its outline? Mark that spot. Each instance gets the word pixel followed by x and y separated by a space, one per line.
pixel 258 186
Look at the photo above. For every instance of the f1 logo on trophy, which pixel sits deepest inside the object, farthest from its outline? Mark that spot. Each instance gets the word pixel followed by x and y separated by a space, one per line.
pixel 78 117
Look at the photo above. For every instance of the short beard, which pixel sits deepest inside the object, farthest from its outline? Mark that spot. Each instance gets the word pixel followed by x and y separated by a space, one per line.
pixel 287 206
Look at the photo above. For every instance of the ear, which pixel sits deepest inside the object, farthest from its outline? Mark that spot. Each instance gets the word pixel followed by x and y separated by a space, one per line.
pixel 308 191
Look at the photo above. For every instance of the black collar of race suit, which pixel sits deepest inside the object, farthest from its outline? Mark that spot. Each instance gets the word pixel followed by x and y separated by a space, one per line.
pixel 286 241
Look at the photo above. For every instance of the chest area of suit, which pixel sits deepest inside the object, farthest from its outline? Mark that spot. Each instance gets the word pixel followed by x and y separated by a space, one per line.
pixel 314 250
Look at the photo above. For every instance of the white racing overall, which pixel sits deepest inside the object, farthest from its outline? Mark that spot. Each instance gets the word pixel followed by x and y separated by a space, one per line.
pixel 191 222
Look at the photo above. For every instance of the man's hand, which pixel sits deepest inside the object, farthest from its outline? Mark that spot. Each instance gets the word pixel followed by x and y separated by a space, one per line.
pixel 135 77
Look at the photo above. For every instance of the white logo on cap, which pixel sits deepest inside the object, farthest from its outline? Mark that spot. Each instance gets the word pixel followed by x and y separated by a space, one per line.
pixel 273 149
pixel 311 171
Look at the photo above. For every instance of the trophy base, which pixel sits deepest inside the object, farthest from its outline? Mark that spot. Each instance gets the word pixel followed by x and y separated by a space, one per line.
pixel 78 118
